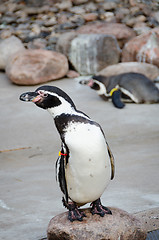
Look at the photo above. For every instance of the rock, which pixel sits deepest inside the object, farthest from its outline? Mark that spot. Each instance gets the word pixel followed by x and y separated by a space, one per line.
pixel 88 17
pixel 143 48
pixel 6 33
pixel 155 15
pixel 64 5
pixel 51 22
pixel 109 6
pixel 141 28
pixel 133 20
pixel 90 7
pixel 77 10
pixel 9 20
pixel 30 67
pixel 149 218
pixel 72 74
pixel 64 27
pixel 119 225
pixel 120 31
pixel 90 53
pixel 37 43
pixel 108 17
pixel 35 3
pixel 121 13
pixel 8 47
pixel 64 42
pixel 148 70
pixel 62 18
pixel 78 2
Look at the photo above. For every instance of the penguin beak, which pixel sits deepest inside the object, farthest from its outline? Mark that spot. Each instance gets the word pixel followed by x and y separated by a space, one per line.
pixel 30 97
pixel 90 83
pixel 87 82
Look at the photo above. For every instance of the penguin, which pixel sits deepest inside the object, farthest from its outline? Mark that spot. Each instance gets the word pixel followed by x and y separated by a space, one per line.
pixel 130 87
pixel 85 164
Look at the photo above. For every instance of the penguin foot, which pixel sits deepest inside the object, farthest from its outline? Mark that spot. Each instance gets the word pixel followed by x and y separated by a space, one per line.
pixel 98 208
pixel 74 213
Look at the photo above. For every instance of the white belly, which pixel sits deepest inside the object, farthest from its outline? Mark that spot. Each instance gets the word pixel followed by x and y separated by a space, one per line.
pixel 88 171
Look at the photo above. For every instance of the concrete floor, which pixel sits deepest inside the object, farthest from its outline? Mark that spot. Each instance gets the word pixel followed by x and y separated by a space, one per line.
pixel 29 194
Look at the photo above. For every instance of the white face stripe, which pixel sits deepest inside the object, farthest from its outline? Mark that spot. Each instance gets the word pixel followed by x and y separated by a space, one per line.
pixel 102 90
pixel 48 92
pixel 64 107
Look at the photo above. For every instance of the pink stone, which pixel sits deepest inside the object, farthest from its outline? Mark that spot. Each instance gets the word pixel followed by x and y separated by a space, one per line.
pixel 147 69
pixel 119 225
pixel 30 67
pixel 120 31
pixel 143 48
pixel 72 74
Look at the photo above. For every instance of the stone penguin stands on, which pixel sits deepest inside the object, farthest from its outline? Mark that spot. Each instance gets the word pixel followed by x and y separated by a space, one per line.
pixel 85 164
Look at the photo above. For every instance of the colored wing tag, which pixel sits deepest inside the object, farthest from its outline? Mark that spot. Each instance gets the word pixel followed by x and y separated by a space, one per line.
pixel 113 90
pixel 63 154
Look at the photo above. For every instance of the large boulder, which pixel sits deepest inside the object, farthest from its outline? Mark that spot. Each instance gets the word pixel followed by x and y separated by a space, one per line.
pixel 147 69
pixel 118 30
pixel 30 67
pixel 64 42
pixel 119 225
pixel 8 47
pixel 90 53
pixel 143 48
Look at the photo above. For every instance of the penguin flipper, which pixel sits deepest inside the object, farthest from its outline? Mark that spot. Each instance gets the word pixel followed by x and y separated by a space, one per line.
pixel 116 99
pixel 60 172
pixel 111 161
pixel 110 156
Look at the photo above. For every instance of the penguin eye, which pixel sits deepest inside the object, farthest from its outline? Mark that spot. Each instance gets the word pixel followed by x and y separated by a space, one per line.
pixel 45 94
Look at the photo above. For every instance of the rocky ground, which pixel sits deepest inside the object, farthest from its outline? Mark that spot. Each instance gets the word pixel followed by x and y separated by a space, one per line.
pixel 46 22
pixel 99 33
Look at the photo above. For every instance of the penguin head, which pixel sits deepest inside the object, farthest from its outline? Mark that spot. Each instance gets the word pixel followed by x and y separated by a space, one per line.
pixel 97 84
pixel 49 98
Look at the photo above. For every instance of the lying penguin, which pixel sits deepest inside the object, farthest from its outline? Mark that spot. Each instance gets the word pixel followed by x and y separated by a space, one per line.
pixel 85 164
pixel 134 87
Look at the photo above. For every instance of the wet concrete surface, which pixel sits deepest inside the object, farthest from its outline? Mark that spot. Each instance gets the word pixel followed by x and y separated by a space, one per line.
pixel 29 194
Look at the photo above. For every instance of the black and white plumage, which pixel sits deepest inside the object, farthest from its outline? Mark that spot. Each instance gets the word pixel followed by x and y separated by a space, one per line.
pixel 130 87
pixel 85 164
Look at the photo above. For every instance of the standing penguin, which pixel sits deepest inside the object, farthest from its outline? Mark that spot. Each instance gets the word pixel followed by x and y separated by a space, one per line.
pixel 85 164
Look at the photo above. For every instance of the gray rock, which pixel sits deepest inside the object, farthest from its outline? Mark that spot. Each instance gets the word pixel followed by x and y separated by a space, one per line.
pixel 37 43
pixel 64 42
pixel 109 5
pixel 156 16
pixel 119 225
pixel 6 33
pixel 8 47
pixel 90 53
pixel 78 2
pixel 64 5
pixel 90 7
pixel 77 10
pixel 8 20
